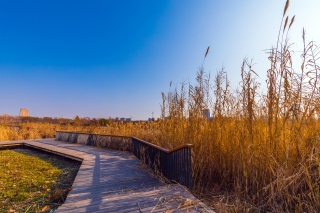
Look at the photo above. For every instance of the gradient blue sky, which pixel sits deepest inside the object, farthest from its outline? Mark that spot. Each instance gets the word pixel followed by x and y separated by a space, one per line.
pixel 114 58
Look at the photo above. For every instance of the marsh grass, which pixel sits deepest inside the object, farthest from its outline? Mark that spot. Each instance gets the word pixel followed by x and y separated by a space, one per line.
pixel 36 130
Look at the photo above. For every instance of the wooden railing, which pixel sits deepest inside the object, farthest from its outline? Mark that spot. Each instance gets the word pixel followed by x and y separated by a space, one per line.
pixel 174 164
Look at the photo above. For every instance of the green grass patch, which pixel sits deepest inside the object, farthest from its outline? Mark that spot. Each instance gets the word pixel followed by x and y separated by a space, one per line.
pixel 34 181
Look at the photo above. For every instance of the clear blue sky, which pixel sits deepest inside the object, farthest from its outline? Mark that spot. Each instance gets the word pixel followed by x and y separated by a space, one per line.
pixel 114 58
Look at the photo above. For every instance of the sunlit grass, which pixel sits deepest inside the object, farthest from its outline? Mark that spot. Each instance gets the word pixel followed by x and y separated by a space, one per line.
pixel 33 181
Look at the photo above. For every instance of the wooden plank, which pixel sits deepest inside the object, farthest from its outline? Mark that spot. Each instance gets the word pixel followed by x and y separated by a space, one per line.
pixel 115 199
pixel 88 194
pixel 130 204
pixel 117 203
pixel 119 186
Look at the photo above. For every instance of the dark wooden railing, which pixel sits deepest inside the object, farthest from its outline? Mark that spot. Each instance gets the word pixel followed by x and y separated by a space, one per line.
pixel 174 164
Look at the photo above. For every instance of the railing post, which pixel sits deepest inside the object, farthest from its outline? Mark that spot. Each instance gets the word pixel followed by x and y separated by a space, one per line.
pixel 190 169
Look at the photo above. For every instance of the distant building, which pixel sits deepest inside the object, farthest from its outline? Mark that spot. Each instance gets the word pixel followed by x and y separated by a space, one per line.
pixel 122 119
pixel 5 115
pixel 24 112
pixel 128 119
pixel 206 112
pixel 117 118
pixel 86 118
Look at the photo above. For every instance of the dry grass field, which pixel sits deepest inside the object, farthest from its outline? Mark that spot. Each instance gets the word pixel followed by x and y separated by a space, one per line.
pixel 259 152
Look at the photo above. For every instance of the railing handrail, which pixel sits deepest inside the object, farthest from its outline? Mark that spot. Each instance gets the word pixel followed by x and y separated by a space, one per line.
pixel 164 149
pixel 145 142
pixel 96 134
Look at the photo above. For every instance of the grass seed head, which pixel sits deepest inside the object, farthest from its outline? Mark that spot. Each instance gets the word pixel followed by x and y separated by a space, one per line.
pixel 285 24
pixel 286 8
pixel 207 51
pixel 292 20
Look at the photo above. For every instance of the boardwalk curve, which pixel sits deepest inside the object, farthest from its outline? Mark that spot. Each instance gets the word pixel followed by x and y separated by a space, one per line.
pixel 115 181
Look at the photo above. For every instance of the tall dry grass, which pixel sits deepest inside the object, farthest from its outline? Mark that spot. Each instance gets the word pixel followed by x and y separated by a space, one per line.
pixel 29 131
pixel 260 151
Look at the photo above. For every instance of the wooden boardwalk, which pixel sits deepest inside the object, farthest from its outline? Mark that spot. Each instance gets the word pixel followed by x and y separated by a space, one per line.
pixel 114 181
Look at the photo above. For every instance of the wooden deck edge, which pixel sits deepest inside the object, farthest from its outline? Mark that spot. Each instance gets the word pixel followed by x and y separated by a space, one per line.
pixel 25 143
